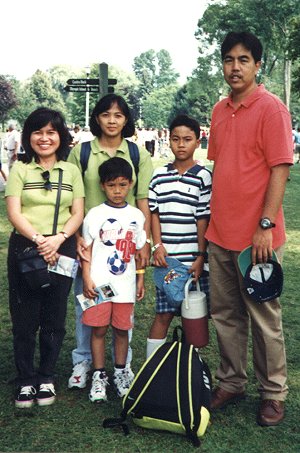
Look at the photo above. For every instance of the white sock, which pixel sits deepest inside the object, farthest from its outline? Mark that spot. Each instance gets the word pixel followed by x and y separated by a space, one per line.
pixel 118 370
pixel 152 345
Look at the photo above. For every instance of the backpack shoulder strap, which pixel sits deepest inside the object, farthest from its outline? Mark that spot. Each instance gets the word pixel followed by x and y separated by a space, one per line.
pixel 188 405
pixel 85 152
pixel 195 169
pixel 135 159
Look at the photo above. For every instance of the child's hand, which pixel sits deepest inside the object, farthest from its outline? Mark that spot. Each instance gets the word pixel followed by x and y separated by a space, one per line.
pixel 140 290
pixel 159 257
pixel 89 288
pixel 197 268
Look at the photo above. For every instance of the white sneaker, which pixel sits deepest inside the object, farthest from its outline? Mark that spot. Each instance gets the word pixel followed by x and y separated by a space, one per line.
pixel 129 371
pixel 122 380
pixel 98 389
pixel 79 375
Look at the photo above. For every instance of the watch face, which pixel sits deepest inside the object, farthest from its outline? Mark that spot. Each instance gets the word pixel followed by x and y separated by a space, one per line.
pixel 265 223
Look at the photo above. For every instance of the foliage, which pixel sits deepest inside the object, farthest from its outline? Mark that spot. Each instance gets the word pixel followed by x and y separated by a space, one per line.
pixel 154 70
pixel 8 98
pixel 157 106
pixel 43 93
pixel 294 50
pixel 73 424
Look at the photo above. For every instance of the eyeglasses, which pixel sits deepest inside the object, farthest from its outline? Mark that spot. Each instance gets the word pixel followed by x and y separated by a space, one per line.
pixel 46 178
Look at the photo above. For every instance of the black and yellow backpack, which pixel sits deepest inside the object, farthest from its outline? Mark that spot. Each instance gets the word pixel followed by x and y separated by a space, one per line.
pixel 171 392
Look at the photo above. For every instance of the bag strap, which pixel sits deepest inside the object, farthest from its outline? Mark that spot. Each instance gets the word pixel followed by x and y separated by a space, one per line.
pixel 57 203
pixel 85 152
pixel 188 411
pixel 135 159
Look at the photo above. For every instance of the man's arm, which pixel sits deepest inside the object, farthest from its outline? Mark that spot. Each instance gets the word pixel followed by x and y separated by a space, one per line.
pixel 262 239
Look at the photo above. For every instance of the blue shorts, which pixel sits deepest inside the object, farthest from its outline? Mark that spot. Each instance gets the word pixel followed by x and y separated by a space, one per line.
pixel 163 306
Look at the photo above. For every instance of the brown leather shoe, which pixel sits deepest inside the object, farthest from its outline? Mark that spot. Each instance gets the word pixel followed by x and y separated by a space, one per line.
pixel 220 398
pixel 270 413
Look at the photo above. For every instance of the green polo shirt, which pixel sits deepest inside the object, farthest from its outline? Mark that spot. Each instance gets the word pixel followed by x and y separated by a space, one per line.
pixel 93 192
pixel 37 203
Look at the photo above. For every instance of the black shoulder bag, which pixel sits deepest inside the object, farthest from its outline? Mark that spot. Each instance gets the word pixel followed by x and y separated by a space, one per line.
pixel 30 263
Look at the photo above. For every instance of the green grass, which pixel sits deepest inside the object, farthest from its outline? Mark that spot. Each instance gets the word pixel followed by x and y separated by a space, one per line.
pixel 73 424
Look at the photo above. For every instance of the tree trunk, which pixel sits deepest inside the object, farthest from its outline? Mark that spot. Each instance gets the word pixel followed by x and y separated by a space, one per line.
pixel 287 82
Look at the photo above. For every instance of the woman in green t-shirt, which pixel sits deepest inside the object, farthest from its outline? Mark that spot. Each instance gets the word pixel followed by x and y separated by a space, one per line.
pixel 31 193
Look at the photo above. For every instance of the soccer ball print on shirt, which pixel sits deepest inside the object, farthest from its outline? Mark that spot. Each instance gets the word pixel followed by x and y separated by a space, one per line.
pixel 111 233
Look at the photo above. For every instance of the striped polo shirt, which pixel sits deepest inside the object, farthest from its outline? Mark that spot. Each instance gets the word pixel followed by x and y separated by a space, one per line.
pixel 181 200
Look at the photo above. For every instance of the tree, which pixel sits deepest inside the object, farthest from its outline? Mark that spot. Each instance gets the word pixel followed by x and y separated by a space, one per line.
pixel 144 68
pixel 157 106
pixel 154 70
pixel 7 98
pixel 43 92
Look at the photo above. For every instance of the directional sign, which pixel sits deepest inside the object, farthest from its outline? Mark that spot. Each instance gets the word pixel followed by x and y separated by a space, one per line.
pixel 81 89
pixel 111 81
pixel 84 82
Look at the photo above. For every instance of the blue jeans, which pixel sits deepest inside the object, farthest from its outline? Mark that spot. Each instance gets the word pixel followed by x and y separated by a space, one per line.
pixel 83 332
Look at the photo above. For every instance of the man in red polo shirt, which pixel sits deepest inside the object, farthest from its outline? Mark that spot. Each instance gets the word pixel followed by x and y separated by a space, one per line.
pixel 251 146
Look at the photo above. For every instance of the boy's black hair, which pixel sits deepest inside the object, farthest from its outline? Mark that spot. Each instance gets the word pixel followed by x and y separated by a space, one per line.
pixel 114 168
pixel 38 119
pixel 248 40
pixel 105 104
pixel 188 121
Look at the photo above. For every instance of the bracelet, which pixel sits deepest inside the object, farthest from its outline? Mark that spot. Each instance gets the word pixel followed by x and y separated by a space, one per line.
pixel 148 241
pixel 140 271
pixel 204 254
pixel 34 237
pixel 156 246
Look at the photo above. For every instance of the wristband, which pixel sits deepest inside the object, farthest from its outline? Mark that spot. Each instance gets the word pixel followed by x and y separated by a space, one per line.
pixel 156 246
pixel 34 237
pixel 140 271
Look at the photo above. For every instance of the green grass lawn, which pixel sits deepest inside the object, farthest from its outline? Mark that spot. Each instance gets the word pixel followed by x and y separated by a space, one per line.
pixel 73 424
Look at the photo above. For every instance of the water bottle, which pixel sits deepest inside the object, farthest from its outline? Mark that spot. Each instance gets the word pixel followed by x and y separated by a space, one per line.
pixel 194 316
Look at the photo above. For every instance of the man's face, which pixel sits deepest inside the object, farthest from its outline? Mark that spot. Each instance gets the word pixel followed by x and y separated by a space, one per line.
pixel 240 70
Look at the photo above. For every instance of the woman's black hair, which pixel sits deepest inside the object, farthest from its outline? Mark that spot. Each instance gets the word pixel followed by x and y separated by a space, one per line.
pixel 248 40
pixel 105 104
pixel 187 121
pixel 114 168
pixel 38 119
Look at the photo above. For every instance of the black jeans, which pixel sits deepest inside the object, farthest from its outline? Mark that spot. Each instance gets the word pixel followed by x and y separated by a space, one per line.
pixel 42 311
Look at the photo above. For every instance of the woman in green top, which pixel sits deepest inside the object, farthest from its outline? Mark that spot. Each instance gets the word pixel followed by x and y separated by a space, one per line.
pixel 31 197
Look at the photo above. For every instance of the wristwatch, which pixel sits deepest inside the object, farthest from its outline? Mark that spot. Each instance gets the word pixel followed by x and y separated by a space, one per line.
pixel 148 241
pixel 65 235
pixel 265 223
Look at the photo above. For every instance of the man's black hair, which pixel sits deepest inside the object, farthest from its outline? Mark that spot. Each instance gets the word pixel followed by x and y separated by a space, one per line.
pixel 114 168
pixel 248 40
pixel 188 121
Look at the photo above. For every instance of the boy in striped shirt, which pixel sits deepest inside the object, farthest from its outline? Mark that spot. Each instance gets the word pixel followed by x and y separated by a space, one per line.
pixel 179 201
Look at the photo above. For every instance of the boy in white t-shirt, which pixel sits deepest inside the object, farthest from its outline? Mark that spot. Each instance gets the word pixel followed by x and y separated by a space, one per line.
pixel 113 231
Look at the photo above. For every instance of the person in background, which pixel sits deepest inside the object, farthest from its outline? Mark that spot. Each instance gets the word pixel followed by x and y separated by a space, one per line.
pixel 12 144
pixel 31 193
pixel 251 146
pixel 110 123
